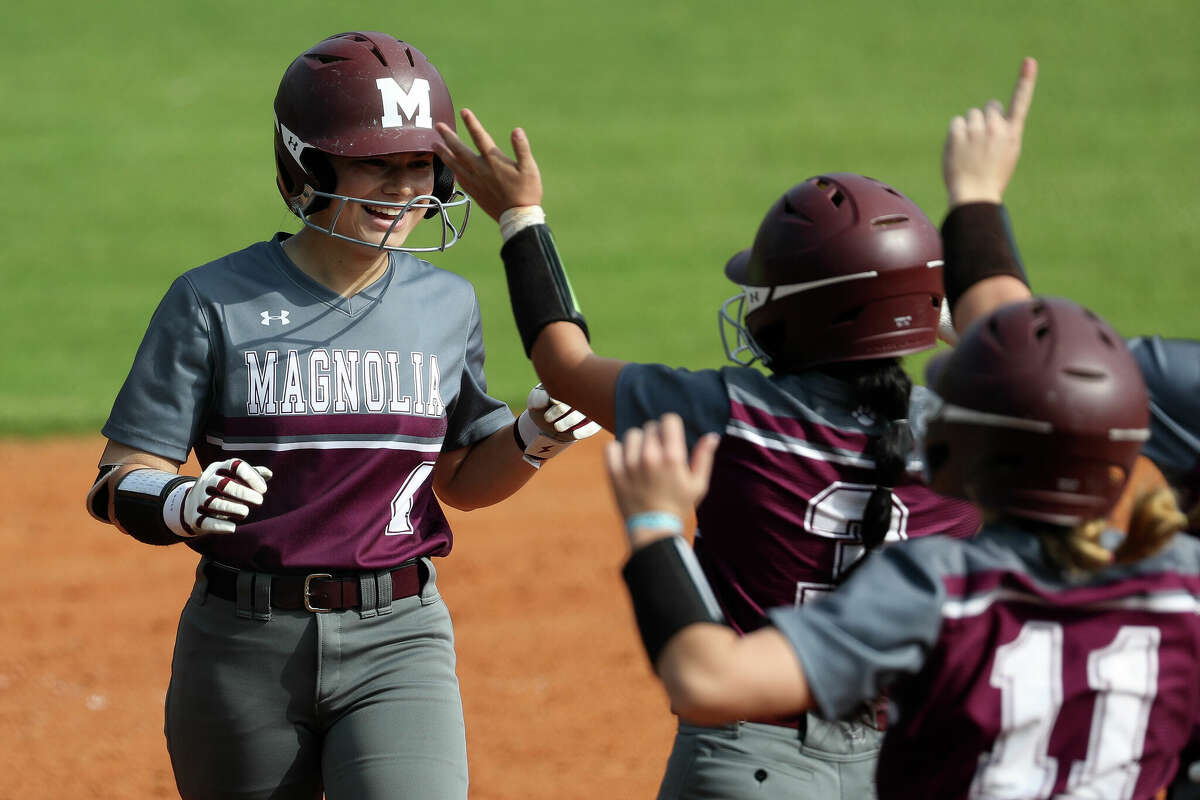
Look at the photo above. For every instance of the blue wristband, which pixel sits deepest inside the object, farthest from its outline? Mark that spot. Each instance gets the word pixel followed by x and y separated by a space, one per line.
pixel 658 520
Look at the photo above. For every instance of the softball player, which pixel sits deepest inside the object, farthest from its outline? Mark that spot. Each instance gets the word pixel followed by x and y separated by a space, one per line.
pixel 984 271
pixel 816 465
pixel 1030 661
pixel 331 385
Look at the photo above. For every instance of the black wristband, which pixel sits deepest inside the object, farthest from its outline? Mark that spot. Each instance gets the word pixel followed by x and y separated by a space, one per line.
pixel 669 592
pixel 978 243
pixel 537 284
pixel 138 505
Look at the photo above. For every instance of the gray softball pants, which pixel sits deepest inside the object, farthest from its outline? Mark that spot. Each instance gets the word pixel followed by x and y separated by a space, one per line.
pixel 359 704
pixel 834 761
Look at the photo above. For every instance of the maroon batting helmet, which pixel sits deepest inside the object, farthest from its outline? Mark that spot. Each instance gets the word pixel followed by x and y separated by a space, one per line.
pixel 843 268
pixel 1044 411
pixel 356 95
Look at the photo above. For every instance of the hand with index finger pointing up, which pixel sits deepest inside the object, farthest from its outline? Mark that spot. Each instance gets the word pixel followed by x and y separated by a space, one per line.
pixel 983 145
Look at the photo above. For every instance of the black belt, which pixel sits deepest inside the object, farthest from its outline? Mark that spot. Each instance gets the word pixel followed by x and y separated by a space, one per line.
pixel 319 591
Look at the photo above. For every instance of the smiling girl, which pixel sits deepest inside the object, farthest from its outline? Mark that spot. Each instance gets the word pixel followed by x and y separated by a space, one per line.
pixel 314 653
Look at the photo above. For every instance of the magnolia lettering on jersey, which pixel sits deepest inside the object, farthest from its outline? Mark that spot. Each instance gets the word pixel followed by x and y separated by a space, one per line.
pixel 325 381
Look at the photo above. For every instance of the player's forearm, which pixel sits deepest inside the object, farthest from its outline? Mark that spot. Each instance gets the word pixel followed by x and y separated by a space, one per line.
pixel 483 474
pixel 985 297
pixel 983 269
pixel 714 676
pixel 571 372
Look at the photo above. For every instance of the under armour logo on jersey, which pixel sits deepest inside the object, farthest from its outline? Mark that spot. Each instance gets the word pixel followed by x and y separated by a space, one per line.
pixel 398 104
pixel 282 316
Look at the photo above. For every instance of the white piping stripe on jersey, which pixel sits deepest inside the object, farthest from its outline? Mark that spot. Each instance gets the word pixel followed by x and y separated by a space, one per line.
pixel 789 444
pixel 1128 434
pixel 1174 602
pixel 953 413
pixel 935 263
pixel 332 444
pixel 790 408
pixel 1166 420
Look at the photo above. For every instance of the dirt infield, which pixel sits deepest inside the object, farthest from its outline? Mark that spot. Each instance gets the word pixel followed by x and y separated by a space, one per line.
pixel 559 700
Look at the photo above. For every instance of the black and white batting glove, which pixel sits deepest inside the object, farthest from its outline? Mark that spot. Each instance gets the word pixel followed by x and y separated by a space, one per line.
pixel 547 427
pixel 220 498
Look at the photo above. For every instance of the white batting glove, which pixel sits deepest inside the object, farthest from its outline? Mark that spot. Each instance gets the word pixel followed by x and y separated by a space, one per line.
pixel 547 427
pixel 220 498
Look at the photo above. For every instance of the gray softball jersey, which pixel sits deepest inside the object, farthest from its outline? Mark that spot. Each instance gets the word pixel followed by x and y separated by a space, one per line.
pixel 1009 679
pixel 348 400
pixel 780 522
pixel 1171 368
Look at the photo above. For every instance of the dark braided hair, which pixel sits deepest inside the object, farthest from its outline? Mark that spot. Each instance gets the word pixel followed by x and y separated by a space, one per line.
pixel 882 388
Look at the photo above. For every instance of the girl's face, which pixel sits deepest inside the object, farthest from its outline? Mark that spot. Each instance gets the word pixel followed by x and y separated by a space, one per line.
pixel 395 178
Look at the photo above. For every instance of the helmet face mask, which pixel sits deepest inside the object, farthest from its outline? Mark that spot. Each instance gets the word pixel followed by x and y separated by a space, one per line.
pixel 358 95
pixel 1044 411
pixel 843 268
pixel 739 344
pixel 426 204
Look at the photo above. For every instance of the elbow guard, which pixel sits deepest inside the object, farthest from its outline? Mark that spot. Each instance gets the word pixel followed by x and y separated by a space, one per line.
pixel 977 242
pixel 669 592
pixel 537 284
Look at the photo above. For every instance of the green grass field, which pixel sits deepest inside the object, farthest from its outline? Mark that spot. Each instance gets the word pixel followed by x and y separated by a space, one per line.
pixel 137 144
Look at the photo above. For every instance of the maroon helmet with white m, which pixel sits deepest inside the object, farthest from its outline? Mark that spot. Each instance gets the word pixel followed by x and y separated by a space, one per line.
pixel 843 268
pixel 1044 411
pixel 356 95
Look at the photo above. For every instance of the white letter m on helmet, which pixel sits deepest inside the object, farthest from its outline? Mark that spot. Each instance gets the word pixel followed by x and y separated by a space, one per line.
pixel 399 104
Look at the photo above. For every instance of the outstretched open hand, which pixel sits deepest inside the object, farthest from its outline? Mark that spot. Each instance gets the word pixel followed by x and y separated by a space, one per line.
pixel 494 181
pixel 983 145
pixel 650 469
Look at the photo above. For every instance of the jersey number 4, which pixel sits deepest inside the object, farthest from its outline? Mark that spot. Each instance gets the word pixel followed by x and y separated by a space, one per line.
pixel 1028 671
pixel 402 503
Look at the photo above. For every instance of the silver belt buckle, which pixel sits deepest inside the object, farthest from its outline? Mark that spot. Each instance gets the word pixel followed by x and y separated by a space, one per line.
pixel 308 579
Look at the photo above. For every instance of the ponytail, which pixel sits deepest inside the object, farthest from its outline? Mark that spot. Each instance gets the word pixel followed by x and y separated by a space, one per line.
pixel 1154 520
pixel 883 391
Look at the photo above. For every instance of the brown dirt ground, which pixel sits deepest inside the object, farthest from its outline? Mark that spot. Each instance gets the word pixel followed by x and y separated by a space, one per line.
pixel 559 699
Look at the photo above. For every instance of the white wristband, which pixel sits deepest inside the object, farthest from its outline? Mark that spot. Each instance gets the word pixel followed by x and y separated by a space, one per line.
pixel 172 510
pixel 518 218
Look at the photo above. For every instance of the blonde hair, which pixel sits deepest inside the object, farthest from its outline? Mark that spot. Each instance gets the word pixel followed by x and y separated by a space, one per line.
pixel 1154 519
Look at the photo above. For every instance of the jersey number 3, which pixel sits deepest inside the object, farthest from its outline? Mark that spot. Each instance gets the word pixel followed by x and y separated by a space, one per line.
pixel 1028 671
pixel 402 503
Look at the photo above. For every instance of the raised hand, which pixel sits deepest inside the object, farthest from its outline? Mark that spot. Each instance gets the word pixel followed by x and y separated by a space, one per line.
pixel 494 181
pixel 983 145
pixel 650 470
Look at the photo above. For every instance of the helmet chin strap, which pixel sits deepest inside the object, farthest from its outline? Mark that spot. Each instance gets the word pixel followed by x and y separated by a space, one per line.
pixel 423 203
